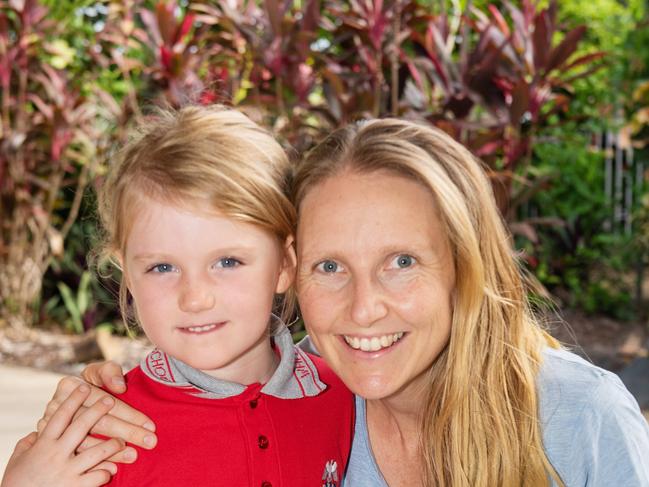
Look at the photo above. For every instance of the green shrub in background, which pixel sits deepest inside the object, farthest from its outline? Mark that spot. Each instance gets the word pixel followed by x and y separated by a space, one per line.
pixel 573 254
pixel 600 98
pixel 496 77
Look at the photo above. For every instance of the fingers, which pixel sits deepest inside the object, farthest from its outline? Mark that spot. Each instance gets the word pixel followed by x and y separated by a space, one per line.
pixel 127 455
pixel 105 374
pixel 93 457
pixel 94 478
pixel 114 427
pixel 64 414
pixel 64 388
pixel 110 467
pixel 123 422
pixel 126 413
pixel 81 426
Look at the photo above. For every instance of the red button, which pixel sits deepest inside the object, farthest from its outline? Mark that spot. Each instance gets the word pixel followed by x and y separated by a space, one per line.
pixel 253 404
pixel 266 483
pixel 262 441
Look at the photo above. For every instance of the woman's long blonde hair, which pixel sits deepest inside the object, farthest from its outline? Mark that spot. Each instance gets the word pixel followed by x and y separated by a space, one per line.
pixel 480 423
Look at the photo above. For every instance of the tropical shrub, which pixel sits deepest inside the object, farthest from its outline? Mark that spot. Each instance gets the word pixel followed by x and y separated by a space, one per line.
pixel 494 77
pixel 47 148
pixel 571 252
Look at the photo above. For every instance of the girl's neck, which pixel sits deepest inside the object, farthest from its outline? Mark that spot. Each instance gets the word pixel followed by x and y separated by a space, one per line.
pixel 257 366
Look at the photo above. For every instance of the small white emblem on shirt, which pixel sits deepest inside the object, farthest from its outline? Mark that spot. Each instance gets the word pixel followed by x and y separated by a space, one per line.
pixel 330 474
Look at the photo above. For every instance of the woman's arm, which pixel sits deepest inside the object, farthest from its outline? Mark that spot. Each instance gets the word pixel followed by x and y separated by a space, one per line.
pixel 122 422
pixel 49 459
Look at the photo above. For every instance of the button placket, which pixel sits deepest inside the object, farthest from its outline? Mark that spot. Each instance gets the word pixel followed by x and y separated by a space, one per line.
pixel 258 424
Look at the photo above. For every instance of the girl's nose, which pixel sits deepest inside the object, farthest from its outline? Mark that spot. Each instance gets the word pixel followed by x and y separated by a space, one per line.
pixel 196 298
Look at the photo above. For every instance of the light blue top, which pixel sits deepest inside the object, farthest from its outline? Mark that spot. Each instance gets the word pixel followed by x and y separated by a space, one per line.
pixel 593 432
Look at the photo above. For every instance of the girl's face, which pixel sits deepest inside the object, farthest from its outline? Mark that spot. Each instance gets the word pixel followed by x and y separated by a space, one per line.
pixel 203 287
pixel 375 280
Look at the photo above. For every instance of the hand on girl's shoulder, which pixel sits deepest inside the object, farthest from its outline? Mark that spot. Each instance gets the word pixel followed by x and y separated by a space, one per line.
pixel 50 459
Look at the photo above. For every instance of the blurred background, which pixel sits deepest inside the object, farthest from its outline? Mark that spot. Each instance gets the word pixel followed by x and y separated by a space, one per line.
pixel 552 96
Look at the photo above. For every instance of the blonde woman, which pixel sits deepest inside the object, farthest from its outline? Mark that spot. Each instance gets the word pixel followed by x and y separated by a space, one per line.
pixel 409 289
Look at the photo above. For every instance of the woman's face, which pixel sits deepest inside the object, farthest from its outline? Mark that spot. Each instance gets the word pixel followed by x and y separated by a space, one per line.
pixel 375 280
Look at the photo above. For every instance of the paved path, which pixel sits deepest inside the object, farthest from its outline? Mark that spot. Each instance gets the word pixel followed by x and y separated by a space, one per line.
pixel 23 395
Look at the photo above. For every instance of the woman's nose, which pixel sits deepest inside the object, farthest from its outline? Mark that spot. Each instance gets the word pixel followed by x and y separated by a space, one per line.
pixel 196 297
pixel 368 302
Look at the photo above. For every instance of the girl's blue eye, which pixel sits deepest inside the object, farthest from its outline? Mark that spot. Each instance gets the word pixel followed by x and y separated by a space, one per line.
pixel 404 261
pixel 228 262
pixel 328 266
pixel 162 268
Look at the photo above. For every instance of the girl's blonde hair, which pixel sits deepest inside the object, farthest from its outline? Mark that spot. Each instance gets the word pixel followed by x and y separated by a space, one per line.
pixel 197 154
pixel 480 423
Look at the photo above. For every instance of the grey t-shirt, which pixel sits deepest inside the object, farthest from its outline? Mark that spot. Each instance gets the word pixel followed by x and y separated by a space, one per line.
pixel 593 431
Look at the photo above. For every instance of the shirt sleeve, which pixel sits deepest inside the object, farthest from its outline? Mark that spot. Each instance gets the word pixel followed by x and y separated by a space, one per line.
pixel 615 438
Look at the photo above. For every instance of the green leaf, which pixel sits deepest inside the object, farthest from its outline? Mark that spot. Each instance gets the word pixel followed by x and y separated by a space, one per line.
pixel 71 306
pixel 84 292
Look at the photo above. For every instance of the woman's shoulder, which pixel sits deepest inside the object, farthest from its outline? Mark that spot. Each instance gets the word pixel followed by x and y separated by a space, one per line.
pixel 592 426
pixel 570 388
pixel 573 377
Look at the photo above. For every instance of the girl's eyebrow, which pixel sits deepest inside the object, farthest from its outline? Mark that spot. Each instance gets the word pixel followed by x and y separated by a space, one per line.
pixel 224 251
pixel 151 257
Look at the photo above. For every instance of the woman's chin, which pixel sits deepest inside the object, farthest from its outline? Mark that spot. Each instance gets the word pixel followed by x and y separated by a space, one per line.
pixel 371 387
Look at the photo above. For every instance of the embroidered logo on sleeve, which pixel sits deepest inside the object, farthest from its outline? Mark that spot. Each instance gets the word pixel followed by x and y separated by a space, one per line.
pixel 330 474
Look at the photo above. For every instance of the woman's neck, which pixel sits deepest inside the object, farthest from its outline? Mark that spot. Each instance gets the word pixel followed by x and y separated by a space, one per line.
pixel 394 425
pixel 402 413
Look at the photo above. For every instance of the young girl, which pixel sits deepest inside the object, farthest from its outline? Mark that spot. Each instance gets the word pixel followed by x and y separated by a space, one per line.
pixel 196 218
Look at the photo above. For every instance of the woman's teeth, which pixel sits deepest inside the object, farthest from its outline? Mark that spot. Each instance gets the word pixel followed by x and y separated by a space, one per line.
pixel 202 328
pixel 373 344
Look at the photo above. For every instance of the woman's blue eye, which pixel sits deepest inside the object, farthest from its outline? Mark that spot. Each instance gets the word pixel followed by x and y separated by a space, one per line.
pixel 404 261
pixel 162 268
pixel 328 266
pixel 228 262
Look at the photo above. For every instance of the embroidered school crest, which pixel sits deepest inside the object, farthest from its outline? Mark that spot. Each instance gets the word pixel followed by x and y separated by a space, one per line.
pixel 330 474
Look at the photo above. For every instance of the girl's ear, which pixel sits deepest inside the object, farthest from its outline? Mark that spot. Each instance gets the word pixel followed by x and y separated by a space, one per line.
pixel 288 266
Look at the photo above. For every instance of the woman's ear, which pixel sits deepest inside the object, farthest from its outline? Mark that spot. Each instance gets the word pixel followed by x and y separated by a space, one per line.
pixel 288 266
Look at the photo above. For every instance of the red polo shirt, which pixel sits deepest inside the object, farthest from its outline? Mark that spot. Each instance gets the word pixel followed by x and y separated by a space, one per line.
pixel 296 430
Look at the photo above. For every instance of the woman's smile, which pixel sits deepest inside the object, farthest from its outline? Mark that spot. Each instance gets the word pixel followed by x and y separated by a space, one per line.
pixel 373 343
